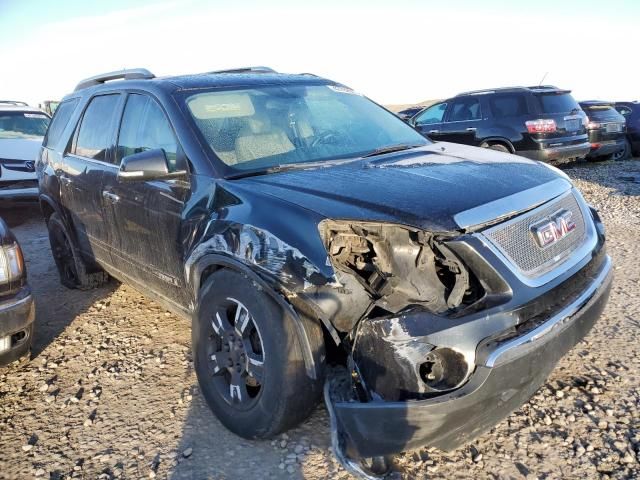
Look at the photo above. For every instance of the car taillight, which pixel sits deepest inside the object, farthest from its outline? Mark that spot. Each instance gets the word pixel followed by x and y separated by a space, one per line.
pixel 11 263
pixel 543 125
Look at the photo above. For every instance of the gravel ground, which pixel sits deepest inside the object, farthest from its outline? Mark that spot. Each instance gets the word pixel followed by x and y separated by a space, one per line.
pixel 111 392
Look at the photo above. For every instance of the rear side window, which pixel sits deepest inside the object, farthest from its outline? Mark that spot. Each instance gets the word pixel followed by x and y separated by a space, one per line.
pixel 557 103
pixel 624 111
pixel 145 127
pixel 94 135
pixel 464 109
pixel 60 121
pixel 508 105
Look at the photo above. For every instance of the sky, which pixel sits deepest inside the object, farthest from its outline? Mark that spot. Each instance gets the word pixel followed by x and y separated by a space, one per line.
pixel 395 52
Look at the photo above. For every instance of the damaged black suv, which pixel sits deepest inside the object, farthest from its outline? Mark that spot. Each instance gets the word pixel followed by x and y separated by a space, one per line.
pixel 313 238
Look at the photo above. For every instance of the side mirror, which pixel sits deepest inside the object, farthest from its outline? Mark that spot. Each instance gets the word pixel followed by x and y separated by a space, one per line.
pixel 147 165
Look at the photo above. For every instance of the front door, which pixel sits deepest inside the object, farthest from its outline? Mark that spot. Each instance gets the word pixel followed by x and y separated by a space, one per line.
pixel 429 121
pixel 81 175
pixel 147 214
pixel 462 121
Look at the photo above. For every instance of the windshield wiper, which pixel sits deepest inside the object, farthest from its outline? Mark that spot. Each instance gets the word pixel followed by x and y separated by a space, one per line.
pixel 284 167
pixel 390 149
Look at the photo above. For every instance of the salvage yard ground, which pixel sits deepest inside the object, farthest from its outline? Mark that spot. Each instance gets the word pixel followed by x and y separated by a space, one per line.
pixel 111 391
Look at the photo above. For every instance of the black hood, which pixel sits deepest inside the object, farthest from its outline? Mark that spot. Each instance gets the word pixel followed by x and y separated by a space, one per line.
pixel 424 187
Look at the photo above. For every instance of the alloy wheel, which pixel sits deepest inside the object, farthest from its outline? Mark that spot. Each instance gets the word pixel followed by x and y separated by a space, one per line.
pixel 235 355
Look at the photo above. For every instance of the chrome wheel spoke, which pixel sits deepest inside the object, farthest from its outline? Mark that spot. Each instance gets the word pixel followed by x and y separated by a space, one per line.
pixel 242 317
pixel 220 324
pixel 238 389
pixel 255 366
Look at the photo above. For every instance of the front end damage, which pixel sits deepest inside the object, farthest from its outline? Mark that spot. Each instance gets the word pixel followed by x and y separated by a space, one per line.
pixel 439 347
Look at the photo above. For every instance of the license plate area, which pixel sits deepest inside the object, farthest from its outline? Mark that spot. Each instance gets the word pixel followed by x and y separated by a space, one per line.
pixel 571 124
pixel 613 128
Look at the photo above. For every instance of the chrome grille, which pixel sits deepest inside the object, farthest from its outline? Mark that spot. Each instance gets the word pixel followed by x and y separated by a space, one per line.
pixel 516 242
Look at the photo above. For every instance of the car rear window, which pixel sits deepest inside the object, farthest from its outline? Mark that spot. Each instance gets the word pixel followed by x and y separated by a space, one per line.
pixel 31 125
pixel 60 121
pixel 557 103
pixel 599 110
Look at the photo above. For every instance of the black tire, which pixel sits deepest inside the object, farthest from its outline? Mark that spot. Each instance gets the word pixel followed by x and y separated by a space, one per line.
pixel 623 154
pixel 498 146
pixel 275 396
pixel 71 267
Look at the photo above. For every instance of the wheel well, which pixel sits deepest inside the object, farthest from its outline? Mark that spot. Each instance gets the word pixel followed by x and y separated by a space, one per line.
pixel 504 143
pixel 47 210
pixel 310 361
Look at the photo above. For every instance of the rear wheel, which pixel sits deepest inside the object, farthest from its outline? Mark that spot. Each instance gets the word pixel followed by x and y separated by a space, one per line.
pixel 248 359
pixel 623 154
pixel 71 267
pixel 497 146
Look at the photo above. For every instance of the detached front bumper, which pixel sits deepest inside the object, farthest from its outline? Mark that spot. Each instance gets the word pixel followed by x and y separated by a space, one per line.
pixel 508 374
pixel 17 314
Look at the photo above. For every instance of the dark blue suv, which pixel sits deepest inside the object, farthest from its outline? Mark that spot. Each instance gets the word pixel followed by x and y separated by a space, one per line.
pixel 631 112
pixel 299 225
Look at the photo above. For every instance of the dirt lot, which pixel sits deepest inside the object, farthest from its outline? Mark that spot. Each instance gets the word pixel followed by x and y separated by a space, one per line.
pixel 111 392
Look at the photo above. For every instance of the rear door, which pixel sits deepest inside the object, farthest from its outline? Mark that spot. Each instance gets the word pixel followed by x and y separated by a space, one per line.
pixel 146 215
pixel 462 120
pixel 429 121
pixel 81 174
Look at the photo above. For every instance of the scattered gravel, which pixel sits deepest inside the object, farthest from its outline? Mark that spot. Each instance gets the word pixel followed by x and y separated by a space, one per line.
pixel 111 392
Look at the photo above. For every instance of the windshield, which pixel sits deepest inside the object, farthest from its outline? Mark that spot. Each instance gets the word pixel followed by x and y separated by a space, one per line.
pixel 23 125
pixel 557 103
pixel 276 125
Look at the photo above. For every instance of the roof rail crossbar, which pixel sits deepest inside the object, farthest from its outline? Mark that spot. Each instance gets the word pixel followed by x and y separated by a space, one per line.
pixel 15 102
pixel 128 74
pixel 258 69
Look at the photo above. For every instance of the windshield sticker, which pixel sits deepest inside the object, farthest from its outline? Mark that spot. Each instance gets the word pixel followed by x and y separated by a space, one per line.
pixel 34 115
pixel 339 89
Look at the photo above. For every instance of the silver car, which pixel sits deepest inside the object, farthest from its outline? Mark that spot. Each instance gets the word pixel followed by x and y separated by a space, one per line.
pixel 22 129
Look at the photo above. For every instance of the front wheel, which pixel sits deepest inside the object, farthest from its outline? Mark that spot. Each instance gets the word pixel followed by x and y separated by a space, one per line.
pixel 248 358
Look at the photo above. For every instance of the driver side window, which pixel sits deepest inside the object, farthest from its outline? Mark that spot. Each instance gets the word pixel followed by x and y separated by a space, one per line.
pixel 145 127
pixel 431 115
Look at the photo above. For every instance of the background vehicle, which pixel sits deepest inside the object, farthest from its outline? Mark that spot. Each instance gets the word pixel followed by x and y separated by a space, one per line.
pixel 17 311
pixel 281 212
pixel 21 131
pixel 542 122
pixel 631 112
pixel 49 106
pixel 606 130
pixel 407 113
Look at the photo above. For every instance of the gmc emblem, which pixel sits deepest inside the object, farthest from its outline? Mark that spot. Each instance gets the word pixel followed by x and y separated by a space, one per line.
pixel 553 228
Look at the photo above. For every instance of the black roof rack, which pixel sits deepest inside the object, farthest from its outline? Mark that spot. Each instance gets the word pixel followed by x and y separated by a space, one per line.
pixel 128 74
pixel 246 70
pixel 15 102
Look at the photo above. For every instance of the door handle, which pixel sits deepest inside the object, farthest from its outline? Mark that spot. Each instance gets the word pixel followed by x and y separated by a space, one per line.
pixel 65 180
pixel 471 129
pixel 110 196
pixel 434 131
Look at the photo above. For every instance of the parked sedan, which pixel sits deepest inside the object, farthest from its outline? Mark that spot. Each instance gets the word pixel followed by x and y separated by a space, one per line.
pixel 17 311
pixel 606 130
pixel 631 112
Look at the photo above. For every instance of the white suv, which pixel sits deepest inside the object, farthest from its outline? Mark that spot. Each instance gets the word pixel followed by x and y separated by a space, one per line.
pixel 21 131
